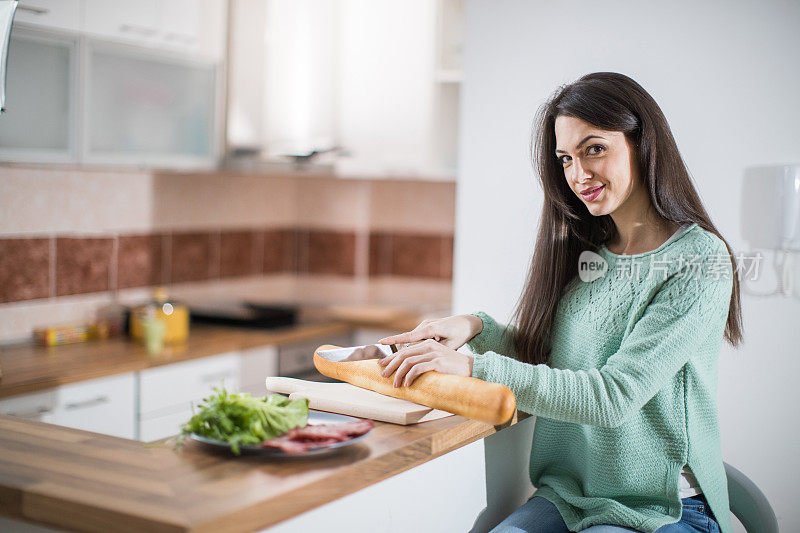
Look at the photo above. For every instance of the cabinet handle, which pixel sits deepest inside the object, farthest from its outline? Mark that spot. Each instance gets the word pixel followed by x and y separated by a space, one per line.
pixel 87 403
pixel 34 10
pixel 209 378
pixel 33 413
pixel 141 30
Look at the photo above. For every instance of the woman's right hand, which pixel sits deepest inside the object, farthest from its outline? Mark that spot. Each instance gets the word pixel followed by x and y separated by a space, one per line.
pixel 452 331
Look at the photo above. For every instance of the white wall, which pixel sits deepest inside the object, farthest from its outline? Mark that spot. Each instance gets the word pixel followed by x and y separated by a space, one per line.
pixel 727 76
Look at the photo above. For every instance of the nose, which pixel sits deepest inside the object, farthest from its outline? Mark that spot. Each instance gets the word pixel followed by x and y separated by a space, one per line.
pixel 579 173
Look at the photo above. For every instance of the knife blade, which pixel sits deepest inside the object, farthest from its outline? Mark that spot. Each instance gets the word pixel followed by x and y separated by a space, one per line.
pixel 358 353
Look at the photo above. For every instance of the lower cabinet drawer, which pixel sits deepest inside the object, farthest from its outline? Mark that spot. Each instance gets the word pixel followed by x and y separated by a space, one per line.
pixel 39 406
pixel 171 388
pixel 163 426
pixel 103 405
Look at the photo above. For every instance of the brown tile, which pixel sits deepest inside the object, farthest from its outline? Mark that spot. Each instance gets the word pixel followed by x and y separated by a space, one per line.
pixel 139 261
pixel 238 254
pixel 447 257
pixel 83 265
pixel 24 269
pixel 416 255
pixel 216 255
pixel 280 250
pixel 380 254
pixel 191 257
pixel 328 252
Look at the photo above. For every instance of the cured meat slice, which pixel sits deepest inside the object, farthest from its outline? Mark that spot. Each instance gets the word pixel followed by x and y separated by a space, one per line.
pixel 299 440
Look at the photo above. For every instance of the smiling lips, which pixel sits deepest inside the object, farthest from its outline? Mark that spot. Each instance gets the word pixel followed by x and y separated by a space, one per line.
pixel 591 194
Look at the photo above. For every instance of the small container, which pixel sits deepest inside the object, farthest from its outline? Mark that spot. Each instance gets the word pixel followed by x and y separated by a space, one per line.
pixel 153 331
pixel 174 315
pixel 63 334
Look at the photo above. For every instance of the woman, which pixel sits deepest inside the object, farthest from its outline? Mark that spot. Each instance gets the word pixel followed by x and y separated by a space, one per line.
pixel 617 333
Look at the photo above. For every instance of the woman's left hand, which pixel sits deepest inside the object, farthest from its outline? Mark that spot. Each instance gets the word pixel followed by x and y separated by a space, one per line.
pixel 412 361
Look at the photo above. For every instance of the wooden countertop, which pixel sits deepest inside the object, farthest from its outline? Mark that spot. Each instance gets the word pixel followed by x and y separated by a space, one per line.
pixel 88 482
pixel 29 368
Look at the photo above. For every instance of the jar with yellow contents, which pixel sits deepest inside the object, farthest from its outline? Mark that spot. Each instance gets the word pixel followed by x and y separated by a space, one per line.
pixel 175 317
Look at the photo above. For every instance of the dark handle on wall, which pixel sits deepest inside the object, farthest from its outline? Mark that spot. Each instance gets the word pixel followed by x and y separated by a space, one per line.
pixel 31 414
pixel 87 403
pixel 34 10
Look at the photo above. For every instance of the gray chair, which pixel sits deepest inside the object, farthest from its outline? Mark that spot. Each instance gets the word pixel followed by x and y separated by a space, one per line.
pixel 749 504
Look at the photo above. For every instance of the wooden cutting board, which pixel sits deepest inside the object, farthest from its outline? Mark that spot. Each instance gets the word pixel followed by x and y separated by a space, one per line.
pixel 348 399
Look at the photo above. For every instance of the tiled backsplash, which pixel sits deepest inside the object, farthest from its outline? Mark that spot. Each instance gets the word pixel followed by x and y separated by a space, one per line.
pixel 72 240
pixel 33 268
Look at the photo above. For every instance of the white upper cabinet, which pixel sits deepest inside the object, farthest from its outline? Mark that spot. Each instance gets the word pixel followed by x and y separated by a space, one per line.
pixel 378 78
pixel 193 27
pixel 135 22
pixel 179 23
pixel 148 109
pixel 56 14
pixel 131 82
pixel 300 77
pixel 39 123
pixel 386 94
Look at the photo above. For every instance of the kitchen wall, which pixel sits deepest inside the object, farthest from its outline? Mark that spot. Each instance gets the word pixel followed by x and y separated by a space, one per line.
pixel 726 76
pixel 72 241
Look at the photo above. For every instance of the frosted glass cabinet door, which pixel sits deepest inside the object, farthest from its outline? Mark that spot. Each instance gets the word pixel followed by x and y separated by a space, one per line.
pixel 39 121
pixel 147 109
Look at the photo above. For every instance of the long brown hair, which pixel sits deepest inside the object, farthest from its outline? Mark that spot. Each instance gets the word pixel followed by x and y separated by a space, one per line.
pixel 611 102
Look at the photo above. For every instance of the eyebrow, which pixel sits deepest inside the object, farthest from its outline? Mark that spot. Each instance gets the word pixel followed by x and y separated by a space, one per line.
pixel 583 141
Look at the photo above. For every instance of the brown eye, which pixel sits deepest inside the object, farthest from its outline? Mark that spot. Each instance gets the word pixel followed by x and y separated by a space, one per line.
pixel 597 149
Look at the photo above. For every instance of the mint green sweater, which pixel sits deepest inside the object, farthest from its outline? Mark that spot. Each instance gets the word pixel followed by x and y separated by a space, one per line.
pixel 629 396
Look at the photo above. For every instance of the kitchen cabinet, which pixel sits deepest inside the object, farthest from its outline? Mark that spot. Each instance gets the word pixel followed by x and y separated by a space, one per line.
pixel 379 79
pixel 195 27
pixel 38 406
pixel 256 365
pixel 399 88
pixel 166 393
pixel 152 403
pixel 147 108
pixel 115 82
pixel 135 22
pixel 40 120
pixel 387 64
pixel 170 24
pixel 104 405
pixel 54 14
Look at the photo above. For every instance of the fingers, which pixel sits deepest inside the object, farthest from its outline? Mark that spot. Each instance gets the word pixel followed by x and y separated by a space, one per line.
pixel 417 370
pixel 407 366
pixel 420 333
pixel 392 362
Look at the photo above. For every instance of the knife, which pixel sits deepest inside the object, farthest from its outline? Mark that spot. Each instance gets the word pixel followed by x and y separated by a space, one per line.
pixel 466 396
pixel 358 353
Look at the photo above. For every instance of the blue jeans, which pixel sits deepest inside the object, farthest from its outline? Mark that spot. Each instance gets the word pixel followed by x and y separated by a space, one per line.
pixel 538 515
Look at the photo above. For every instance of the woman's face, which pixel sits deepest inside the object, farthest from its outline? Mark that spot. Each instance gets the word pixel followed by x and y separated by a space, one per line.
pixel 599 165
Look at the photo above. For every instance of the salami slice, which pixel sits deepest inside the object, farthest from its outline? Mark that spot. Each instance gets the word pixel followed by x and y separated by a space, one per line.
pixel 299 440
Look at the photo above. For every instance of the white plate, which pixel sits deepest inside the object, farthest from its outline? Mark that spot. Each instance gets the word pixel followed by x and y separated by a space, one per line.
pixel 314 418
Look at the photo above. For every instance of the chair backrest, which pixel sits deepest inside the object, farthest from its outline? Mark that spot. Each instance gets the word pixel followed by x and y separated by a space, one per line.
pixel 749 504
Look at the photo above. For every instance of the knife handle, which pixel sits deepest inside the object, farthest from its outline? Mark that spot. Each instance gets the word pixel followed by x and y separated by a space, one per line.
pixel 466 396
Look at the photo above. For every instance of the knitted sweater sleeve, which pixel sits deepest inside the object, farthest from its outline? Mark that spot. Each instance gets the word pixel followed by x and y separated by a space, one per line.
pixel 683 311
